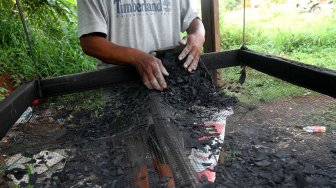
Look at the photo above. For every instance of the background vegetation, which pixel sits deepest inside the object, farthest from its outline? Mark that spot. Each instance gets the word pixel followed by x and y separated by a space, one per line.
pixel 53 32
pixel 278 29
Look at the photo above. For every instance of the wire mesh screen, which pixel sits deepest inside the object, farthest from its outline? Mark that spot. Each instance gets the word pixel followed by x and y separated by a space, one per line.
pixel 81 140
pixel 127 136
pixel 280 135
pixel 121 136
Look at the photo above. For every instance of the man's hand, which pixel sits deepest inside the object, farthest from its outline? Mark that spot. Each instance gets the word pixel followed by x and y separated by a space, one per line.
pixel 151 71
pixel 194 41
pixel 149 67
pixel 194 44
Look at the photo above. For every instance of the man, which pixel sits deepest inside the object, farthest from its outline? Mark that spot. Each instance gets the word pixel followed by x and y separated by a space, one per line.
pixel 125 31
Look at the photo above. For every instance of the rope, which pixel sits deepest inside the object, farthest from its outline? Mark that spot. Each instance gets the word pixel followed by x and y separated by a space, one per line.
pixel 244 24
pixel 29 46
pixel 242 78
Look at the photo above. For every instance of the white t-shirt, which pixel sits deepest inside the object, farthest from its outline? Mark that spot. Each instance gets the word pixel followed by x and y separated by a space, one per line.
pixel 143 24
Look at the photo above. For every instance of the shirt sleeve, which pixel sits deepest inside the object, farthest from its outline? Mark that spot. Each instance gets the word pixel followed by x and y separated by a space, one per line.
pixel 189 12
pixel 91 17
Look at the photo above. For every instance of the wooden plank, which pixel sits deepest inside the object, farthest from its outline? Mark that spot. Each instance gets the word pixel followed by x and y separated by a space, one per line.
pixel 15 104
pixel 308 76
pixel 86 81
pixel 219 60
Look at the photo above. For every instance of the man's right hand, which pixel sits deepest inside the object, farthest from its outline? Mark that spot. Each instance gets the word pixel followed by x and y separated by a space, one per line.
pixel 149 67
pixel 151 71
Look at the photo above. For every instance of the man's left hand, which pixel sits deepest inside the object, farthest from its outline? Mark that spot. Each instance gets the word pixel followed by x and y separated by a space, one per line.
pixel 192 51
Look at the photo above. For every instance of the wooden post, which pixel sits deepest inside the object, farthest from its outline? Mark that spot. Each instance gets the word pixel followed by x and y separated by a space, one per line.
pixel 210 18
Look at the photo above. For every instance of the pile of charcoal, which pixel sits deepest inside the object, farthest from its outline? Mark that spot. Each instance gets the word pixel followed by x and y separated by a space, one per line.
pixel 195 93
pixel 187 89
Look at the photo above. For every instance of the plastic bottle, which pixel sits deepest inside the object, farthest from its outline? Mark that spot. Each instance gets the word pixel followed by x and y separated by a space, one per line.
pixel 315 129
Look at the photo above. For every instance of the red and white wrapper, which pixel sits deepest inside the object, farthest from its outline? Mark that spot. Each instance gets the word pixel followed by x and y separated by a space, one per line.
pixel 204 161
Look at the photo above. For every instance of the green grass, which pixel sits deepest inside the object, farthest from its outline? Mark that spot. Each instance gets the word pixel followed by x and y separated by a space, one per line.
pixel 55 45
pixel 2 90
pixel 305 37
pixel 259 87
pixel 90 100
pixel 275 30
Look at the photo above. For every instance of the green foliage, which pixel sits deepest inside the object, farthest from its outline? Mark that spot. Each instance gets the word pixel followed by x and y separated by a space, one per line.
pixel 278 1
pixel 53 34
pixel 334 9
pixel 309 42
pixel 50 13
pixel 2 90
pixel 231 4
pixel 306 38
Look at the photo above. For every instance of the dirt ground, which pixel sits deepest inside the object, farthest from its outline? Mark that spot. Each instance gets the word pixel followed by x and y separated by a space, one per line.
pixel 265 145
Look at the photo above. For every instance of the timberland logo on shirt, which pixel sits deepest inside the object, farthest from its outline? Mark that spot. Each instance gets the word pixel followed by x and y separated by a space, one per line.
pixel 139 6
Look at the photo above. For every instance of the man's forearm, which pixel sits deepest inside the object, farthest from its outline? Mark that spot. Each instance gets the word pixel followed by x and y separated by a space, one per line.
pixel 108 52
pixel 196 27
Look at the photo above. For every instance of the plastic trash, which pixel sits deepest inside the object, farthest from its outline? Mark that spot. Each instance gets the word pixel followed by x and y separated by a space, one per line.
pixel 315 129
pixel 204 161
pixel 45 162
pixel 26 116
pixel 35 102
